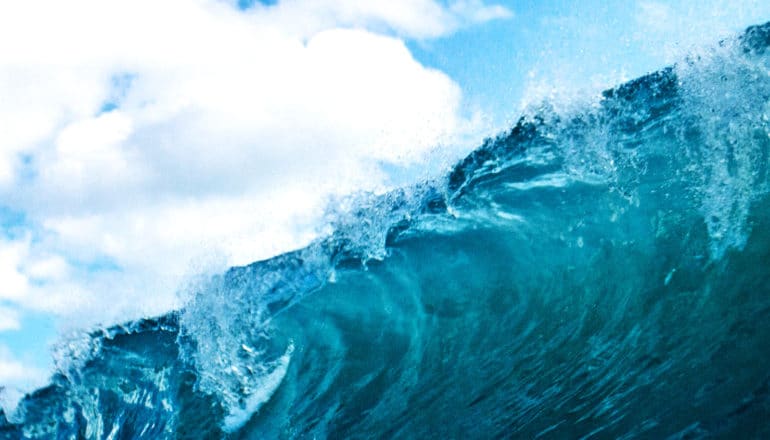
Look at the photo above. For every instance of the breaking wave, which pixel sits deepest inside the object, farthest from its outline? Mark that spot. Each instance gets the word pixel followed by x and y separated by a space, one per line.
pixel 598 272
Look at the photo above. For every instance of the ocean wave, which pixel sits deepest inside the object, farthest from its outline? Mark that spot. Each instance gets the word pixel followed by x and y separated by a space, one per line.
pixel 594 271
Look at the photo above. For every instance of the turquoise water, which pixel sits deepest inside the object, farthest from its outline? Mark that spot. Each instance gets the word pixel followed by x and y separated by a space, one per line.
pixel 599 271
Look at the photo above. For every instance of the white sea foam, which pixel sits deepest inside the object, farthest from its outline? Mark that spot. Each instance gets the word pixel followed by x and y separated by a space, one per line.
pixel 268 384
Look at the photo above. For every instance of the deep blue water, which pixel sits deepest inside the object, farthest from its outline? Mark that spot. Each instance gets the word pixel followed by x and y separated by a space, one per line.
pixel 600 271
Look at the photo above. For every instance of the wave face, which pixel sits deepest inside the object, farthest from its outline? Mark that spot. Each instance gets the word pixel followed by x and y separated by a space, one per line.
pixel 597 272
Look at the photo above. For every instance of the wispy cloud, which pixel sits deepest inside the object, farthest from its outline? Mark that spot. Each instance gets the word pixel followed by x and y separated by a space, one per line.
pixel 419 19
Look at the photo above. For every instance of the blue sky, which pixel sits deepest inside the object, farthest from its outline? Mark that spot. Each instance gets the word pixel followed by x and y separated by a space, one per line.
pixel 145 142
pixel 573 45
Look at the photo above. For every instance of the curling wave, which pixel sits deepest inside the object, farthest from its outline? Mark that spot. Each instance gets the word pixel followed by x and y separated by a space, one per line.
pixel 593 273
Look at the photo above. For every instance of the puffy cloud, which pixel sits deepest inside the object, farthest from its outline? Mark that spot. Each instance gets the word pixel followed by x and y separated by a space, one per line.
pixel 149 140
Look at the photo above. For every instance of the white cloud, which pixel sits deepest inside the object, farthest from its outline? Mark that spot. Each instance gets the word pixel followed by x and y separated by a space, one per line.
pixel 17 377
pixel 474 11
pixel 9 319
pixel 14 284
pixel 146 136
pixel 409 18
pixel 12 371
pixel 89 154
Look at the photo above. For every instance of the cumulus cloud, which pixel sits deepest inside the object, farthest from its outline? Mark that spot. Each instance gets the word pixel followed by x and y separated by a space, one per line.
pixel 142 138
